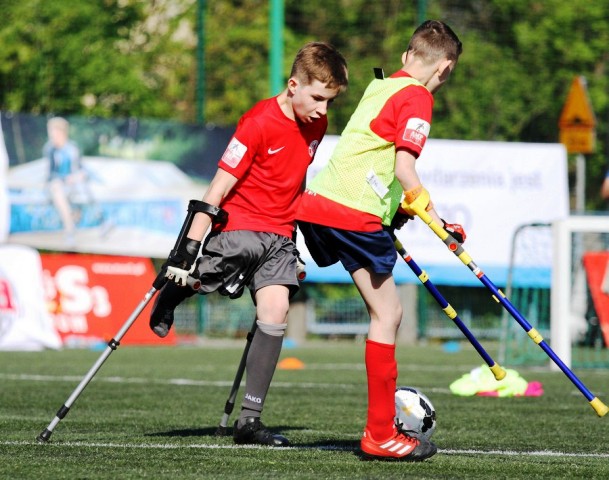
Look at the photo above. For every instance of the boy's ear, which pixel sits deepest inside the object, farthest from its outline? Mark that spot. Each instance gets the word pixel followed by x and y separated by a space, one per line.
pixel 444 67
pixel 292 84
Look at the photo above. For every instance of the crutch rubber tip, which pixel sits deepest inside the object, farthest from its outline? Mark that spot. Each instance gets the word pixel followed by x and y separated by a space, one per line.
pixel 599 407
pixel 44 436
pixel 498 371
pixel 193 283
pixel 221 431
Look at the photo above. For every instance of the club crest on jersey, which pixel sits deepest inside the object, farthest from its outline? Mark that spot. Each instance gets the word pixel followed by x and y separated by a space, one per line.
pixel 313 148
pixel 234 153
pixel 416 131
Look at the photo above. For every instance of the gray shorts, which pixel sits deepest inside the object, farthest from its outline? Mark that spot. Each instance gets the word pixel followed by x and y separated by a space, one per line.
pixel 236 259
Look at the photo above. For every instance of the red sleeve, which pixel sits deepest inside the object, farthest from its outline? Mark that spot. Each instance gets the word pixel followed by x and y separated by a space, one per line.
pixel 405 120
pixel 242 148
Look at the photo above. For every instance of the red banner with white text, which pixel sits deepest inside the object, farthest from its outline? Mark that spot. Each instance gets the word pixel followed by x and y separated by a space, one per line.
pixel 597 271
pixel 90 298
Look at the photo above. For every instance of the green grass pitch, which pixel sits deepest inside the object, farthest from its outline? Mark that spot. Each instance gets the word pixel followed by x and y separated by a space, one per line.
pixel 151 412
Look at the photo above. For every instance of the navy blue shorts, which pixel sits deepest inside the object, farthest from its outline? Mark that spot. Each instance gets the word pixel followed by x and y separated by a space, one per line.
pixel 355 250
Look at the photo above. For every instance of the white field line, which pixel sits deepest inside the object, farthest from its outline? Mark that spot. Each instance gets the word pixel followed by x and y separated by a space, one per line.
pixel 183 382
pixel 167 446
pixel 169 381
pixel 186 382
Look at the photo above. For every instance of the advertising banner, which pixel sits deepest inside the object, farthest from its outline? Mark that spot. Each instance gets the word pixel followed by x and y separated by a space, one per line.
pixel 25 323
pixel 90 297
pixel 597 273
pixel 126 207
pixel 4 204
pixel 491 188
pixel 103 186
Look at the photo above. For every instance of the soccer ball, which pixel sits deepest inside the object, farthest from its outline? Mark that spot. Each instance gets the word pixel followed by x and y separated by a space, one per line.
pixel 414 411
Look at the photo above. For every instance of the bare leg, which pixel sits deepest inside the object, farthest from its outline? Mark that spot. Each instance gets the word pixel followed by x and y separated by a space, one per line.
pixel 62 204
pixel 380 295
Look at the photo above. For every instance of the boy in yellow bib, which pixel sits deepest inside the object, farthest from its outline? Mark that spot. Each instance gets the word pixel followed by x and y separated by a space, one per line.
pixel 348 207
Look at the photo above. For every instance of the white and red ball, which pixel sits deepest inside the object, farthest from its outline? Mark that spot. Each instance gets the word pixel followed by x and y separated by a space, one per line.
pixel 414 411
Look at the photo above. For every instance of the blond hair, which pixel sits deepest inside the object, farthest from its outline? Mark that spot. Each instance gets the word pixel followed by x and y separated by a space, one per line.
pixel 58 123
pixel 323 62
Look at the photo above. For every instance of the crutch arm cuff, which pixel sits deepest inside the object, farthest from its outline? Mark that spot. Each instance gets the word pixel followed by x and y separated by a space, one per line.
pixel 216 213
pixel 417 198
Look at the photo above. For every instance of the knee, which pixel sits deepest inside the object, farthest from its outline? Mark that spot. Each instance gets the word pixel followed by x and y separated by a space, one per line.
pixel 275 311
pixel 272 304
pixel 399 311
pixel 56 187
pixel 397 315
pixel 390 316
pixel 394 313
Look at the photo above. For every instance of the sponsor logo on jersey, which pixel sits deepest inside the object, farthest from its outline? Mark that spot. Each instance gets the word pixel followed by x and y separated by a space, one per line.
pixel 272 151
pixel 234 153
pixel 416 131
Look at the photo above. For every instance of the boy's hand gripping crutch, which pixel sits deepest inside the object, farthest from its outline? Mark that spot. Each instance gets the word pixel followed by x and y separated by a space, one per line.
pixel 450 312
pixel 193 207
pixel 418 206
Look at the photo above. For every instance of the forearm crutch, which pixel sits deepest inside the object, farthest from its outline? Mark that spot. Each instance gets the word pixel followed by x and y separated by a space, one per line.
pixel 418 206
pixel 193 207
pixel 450 312
pixel 230 402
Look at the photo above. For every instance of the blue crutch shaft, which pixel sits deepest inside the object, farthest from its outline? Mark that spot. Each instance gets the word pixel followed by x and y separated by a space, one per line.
pixel 450 312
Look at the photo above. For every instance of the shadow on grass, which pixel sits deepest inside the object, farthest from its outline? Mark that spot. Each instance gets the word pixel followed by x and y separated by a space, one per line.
pixel 327 445
pixel 212 432
pixel 332 445
pixel 187 432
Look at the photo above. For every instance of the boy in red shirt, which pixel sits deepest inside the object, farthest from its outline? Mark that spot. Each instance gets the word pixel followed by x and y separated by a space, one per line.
pixel 258 184
pixel 349 205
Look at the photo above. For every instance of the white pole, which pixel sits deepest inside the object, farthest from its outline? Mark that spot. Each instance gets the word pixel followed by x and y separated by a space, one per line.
pixel 560 302
pixel 5 209
pixel 580 183
pixel 561 308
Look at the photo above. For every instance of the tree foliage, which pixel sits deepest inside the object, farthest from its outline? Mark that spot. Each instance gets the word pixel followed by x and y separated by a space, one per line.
pixel 104 58
pixel 138 58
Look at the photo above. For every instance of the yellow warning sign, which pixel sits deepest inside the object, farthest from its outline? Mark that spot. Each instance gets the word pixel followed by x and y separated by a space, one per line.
pixel 577 109
pixel 577 122
pixel 578 139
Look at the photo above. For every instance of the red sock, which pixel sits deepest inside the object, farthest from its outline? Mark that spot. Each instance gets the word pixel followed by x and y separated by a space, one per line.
pixel 382 372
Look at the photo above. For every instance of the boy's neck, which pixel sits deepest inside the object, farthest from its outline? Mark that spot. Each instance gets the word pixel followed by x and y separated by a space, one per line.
pixel 419 71
pixel 284 101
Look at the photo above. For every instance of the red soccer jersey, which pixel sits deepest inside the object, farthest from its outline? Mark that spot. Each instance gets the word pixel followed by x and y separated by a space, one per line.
pixel 404 121
pixel 269 154
pixel 403 113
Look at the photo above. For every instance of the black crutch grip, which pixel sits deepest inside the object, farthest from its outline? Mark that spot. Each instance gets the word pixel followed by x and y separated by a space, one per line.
pixel 194 206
